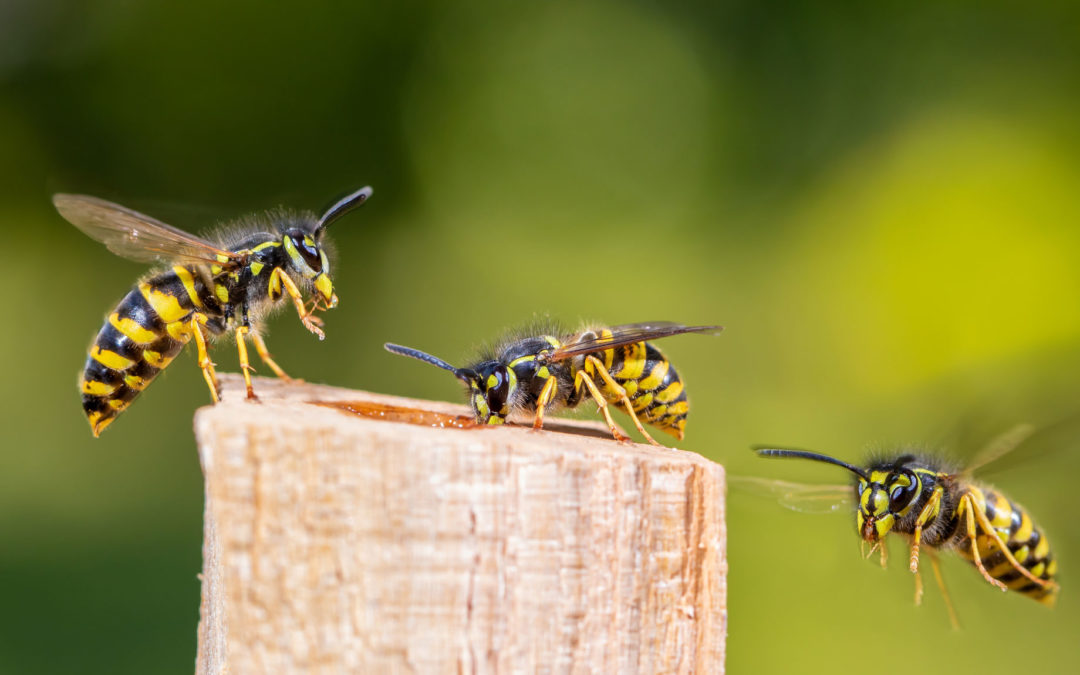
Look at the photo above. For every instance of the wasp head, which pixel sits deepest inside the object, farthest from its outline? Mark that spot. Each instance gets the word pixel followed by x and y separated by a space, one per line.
pixel 492 384
pixel 885 496
pixel 307 260
pixel 306 254
pixel 491 388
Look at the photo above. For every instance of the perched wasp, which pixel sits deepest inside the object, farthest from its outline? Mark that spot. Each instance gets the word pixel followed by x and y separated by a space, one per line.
pixel 616 366
pixel 940 508
pixel 211 288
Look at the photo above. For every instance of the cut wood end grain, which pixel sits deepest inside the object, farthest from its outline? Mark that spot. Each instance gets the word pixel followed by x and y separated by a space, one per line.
pixel 341 543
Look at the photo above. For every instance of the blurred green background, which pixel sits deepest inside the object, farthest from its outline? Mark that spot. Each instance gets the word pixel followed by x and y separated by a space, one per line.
pixel 879 202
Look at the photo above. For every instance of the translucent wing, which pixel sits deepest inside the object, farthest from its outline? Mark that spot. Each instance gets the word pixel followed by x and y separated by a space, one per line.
pixel 132 235
pixel 802 497
pixel 1000 446
pixel 628 334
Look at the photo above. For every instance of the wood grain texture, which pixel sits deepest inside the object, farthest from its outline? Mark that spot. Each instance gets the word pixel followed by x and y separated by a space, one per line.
pixel 338 543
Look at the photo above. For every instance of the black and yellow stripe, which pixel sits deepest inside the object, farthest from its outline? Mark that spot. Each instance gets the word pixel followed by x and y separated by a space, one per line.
pixel 139 339
pixel 1021 536
pixel 654 387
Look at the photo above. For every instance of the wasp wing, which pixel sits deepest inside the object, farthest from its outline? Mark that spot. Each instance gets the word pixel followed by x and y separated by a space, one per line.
pixel 802 497
pixel 628 334
pixel 1000 446
pixel 135 236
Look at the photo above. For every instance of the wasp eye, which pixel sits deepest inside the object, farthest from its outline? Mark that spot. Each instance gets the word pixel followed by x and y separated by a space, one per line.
pixel 309 253
pixel 901 495
pixel 498 388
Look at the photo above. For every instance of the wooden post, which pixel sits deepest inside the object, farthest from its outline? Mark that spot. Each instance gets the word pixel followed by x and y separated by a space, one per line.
pixel 339 542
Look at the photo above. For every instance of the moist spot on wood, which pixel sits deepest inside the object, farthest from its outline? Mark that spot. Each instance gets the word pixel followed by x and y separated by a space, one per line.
pixel 396 413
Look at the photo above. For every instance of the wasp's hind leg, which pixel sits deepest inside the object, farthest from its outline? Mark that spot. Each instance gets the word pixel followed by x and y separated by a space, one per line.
pixel 264 354
pixel 623 398
pixel 936 566
pixel 197 325
pixel 968 502
pixel 583 377
pixel 985 523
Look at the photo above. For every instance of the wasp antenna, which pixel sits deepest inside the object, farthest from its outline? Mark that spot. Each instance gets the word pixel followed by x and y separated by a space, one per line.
pixel 816 456
pixel 460 373
pixel 343 206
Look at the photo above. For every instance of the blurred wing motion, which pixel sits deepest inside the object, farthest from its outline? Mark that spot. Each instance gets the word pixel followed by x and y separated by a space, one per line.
pixel 999 447
pixel 134 236
pixel 802 497
pixel 628 334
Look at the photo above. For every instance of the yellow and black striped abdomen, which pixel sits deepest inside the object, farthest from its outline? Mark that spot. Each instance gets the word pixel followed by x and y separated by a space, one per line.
pixel 655 389
pixel 140 337
pixel 1024 540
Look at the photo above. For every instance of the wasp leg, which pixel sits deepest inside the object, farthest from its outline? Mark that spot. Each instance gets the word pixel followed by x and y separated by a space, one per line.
pixel 196 326
pixel 936 566
pixel 968 502
pixel 623 398
pixel 924 515
pixel 245 363
pixel 310 322
pixel 264 354
pixel 918 588
pixel 547 394
pixel 582 376
pixel 992 533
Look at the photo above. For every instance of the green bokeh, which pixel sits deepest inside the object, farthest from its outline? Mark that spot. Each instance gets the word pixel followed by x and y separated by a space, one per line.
pixel 878 202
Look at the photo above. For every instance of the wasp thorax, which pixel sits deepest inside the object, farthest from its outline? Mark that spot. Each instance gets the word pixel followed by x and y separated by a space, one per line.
pixel 492 384
pixel 883 498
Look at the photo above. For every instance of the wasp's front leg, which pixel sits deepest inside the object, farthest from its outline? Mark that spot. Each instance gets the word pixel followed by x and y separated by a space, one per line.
pixel 279 279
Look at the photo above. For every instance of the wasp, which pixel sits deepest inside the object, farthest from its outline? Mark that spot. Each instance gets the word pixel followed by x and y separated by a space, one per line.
pixel 937 508
pixel 209 289
pixel 615 366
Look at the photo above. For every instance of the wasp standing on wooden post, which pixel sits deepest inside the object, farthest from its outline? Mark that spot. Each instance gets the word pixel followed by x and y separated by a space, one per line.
pixel 212 288
pixel 938 509
pixel 615 366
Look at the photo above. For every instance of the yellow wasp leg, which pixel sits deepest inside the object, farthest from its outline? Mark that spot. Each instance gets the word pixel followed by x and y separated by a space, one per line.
pixel 924 515
pixel 546 396
pixel 245 363
pixel 884 555
pixel 992 533
pixel 264 354
pixel 196 325
pixel 918 588
pixel 623 398
pixel 310 322
pixel 968 502
pixel 582 376
pixel 936 566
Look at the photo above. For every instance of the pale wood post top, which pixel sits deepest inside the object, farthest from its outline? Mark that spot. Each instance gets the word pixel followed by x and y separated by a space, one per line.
pixel 340 543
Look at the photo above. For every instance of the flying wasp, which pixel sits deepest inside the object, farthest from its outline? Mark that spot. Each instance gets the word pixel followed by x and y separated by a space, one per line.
pixel 938 508
pixel 615 366
pixel 210 288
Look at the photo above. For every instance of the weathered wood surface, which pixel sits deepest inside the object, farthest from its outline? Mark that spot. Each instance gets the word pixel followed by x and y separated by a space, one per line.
pixel 337 543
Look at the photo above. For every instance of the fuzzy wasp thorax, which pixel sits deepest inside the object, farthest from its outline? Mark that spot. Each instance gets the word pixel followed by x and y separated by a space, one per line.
pixel 616 366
